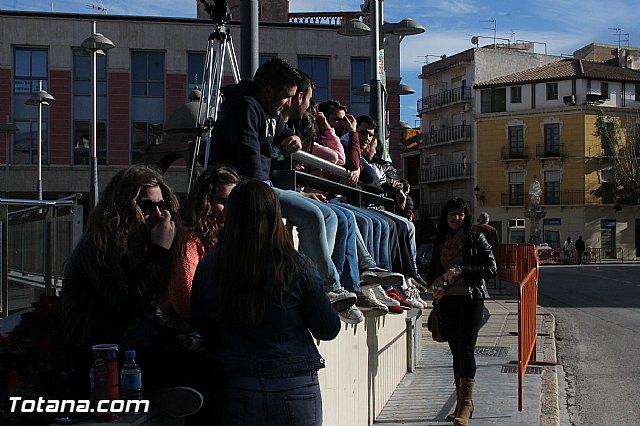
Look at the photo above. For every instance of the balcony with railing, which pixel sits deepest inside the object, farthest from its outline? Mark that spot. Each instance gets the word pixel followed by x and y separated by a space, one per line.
pixel 459 133
pixel 550 151
pixel 446 98
pixel 327 18
pixel 445 172
pixel 562 198
pixel 508 153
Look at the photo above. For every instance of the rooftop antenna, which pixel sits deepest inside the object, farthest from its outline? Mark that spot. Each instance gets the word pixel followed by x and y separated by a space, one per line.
pixel 512 36
pixel 100 8
pixel 494 22
pixel 426 57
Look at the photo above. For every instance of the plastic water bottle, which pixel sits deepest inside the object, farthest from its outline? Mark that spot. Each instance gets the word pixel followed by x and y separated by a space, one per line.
pixel 131 377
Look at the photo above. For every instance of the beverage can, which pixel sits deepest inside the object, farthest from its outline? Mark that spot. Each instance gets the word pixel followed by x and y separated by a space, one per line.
pixel 105 377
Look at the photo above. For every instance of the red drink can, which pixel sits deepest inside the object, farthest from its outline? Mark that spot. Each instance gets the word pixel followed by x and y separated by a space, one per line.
pixel 105 377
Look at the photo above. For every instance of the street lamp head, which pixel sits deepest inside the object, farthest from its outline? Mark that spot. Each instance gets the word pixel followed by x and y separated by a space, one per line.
pixel 403 28
pixel 363 90
pixel 83 51
pixel 97 42
pixel 354 28
pixel 402 89
pixel 40 97
pixel 400 125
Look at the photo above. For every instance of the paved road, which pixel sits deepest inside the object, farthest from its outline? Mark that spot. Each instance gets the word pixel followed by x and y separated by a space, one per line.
pixel 597 310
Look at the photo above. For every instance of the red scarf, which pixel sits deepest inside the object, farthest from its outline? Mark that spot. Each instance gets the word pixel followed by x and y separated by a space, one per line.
pixel 452 247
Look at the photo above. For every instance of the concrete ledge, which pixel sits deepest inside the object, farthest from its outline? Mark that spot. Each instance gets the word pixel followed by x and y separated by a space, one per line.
pixel 364 365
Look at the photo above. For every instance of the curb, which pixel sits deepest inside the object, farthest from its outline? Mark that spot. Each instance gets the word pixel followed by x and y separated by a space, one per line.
pixel 549 397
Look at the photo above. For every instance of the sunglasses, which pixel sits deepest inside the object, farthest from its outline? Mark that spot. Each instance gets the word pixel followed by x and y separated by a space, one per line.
pixel 148 206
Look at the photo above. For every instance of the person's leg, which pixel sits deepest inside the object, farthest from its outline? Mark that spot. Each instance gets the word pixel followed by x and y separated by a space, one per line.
pixel 311 223
pixel 411 240
pixel 345 256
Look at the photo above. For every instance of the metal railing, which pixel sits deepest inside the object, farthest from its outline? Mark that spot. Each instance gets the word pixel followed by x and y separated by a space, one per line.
pixel 358 196
pixel 506 153
pixel 447 97
pixel 451 134
pixel 550 151
pixel 37 237
pixel 563 198
pixel 328 18
pixel 445 172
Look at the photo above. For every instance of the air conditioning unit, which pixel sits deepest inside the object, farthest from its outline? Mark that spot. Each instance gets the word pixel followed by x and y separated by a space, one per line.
pixel 466 107
pixel 569 100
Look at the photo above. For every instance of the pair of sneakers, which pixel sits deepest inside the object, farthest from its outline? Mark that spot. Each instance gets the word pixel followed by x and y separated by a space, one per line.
pixel 379 276
pixel 343 302
pixel 381 297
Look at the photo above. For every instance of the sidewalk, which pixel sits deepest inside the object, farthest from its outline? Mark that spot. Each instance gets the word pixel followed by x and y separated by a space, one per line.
pixel 427 395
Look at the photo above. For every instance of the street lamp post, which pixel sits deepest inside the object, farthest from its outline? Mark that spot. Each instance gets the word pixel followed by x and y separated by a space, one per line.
pixel 376 30
pixel 96 42
pixel 40 98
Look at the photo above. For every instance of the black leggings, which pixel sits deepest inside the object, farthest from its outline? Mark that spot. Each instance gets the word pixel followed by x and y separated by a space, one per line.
pixel 462 317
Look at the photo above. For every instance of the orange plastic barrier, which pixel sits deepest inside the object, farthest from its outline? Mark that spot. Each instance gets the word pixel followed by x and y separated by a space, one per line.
pixel 519 264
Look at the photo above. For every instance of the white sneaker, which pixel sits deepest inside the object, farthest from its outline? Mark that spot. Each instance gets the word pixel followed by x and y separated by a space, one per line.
pixel 341 299
pixel 414 297
pixel 382 297
pixel 351 315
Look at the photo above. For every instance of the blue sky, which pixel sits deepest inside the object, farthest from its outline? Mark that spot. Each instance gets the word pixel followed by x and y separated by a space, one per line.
pixel 564 25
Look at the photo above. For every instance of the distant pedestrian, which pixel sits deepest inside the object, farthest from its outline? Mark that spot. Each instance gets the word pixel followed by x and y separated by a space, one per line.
pixel 489 232
pixel 568 250
pixel 462 260
pixel 579 245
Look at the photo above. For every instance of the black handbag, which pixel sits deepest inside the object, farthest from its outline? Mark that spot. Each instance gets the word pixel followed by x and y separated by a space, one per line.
pixel 434 325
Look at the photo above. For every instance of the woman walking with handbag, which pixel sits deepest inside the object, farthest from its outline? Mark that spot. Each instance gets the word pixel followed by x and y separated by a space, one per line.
pixel 462 260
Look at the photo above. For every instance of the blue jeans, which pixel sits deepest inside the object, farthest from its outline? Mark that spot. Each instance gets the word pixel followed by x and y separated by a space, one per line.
pixel 412 240
pixel 265 401
pixel 345 253
pixel 317 227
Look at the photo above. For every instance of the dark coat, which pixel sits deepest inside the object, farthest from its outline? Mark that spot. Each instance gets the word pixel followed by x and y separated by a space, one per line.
pixel 282 342
pixel 242 136
pixel 490 233
pixel 478 264
pixel 110 303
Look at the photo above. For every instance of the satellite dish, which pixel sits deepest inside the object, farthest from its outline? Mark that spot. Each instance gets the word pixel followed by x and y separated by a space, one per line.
pixel 474 40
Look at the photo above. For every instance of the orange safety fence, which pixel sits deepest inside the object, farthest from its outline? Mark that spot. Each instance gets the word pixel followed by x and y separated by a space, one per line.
pixel 527 303
pixel 518 264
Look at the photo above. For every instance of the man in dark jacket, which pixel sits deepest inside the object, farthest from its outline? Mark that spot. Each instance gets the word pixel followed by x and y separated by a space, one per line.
pixel 489 232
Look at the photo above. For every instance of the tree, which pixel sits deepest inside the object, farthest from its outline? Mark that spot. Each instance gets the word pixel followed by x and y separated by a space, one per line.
pixel 620 160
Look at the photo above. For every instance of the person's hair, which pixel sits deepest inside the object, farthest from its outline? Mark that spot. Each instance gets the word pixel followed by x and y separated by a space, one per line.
pixel 308 129
pixel 368 120
pixel 483 217
pixel 328 107
pixel 276 73
pixel 305 83
pixel 197 210
pixel 255 245
pixel 118 221
pixel 453 205
pixel 405 184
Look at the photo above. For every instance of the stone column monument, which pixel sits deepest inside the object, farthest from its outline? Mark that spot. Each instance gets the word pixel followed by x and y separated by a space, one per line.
pixel 535 213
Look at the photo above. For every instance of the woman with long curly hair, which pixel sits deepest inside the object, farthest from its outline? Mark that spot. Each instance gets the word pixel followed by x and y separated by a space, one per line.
pixel 203 216
pixel 461 262
pixel 258 305
pixel 132 247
